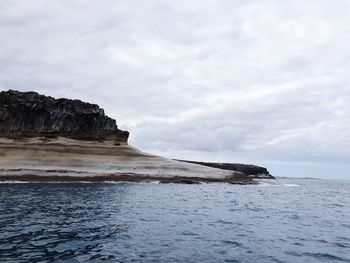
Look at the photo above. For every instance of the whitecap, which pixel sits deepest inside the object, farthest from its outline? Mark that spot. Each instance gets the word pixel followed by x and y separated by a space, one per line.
pixel 291 185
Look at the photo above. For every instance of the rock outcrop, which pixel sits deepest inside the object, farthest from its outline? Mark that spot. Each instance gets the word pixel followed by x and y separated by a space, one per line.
pixel 253 171
pixel 29 114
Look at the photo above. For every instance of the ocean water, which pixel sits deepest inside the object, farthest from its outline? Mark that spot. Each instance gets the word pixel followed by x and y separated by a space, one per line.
pixel 294 220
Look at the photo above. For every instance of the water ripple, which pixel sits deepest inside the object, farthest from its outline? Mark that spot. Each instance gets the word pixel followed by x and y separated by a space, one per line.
pixel 175 223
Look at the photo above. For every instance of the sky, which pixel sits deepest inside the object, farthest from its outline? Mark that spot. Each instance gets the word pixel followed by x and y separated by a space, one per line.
pixel 261 82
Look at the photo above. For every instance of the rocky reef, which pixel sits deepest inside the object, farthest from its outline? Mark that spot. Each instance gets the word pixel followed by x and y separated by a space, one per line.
pixel 29 114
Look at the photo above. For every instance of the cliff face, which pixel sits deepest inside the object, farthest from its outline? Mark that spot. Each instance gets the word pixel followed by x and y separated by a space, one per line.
pixel 29 114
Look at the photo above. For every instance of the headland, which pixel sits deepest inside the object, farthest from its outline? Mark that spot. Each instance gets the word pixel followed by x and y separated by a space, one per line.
pixel 47 139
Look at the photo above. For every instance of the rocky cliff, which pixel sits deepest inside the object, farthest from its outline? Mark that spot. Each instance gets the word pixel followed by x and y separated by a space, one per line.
pixel 29 114
pixel 47 139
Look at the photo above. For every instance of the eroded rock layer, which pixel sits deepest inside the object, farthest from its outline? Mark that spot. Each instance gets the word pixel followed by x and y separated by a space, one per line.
pixel 64 159
pixel 29 114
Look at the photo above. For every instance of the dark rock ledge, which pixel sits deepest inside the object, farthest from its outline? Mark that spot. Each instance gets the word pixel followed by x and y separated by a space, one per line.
pixel 253 171
pixel 29 114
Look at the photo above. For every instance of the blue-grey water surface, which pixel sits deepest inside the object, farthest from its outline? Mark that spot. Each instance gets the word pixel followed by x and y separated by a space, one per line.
pixel 289 221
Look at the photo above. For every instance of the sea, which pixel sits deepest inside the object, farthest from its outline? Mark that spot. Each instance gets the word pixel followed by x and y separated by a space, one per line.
pixel 283 220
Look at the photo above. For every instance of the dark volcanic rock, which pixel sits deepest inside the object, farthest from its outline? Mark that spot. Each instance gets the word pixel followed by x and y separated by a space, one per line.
pixel 247 169
pixel 29 114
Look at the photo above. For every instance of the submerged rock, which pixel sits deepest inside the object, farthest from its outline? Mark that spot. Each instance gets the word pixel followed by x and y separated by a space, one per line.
pixel 29 114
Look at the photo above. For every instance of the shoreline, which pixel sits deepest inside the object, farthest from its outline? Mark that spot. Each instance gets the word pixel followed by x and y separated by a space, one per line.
pixel 123 178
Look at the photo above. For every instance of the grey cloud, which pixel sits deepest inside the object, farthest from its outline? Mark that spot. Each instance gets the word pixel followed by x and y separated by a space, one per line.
pixel 259 81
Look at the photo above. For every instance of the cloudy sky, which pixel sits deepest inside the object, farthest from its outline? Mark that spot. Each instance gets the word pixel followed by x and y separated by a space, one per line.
pixel 263 82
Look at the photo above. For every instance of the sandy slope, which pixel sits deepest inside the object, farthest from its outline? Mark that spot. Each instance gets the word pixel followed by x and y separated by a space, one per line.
pixel 74 158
